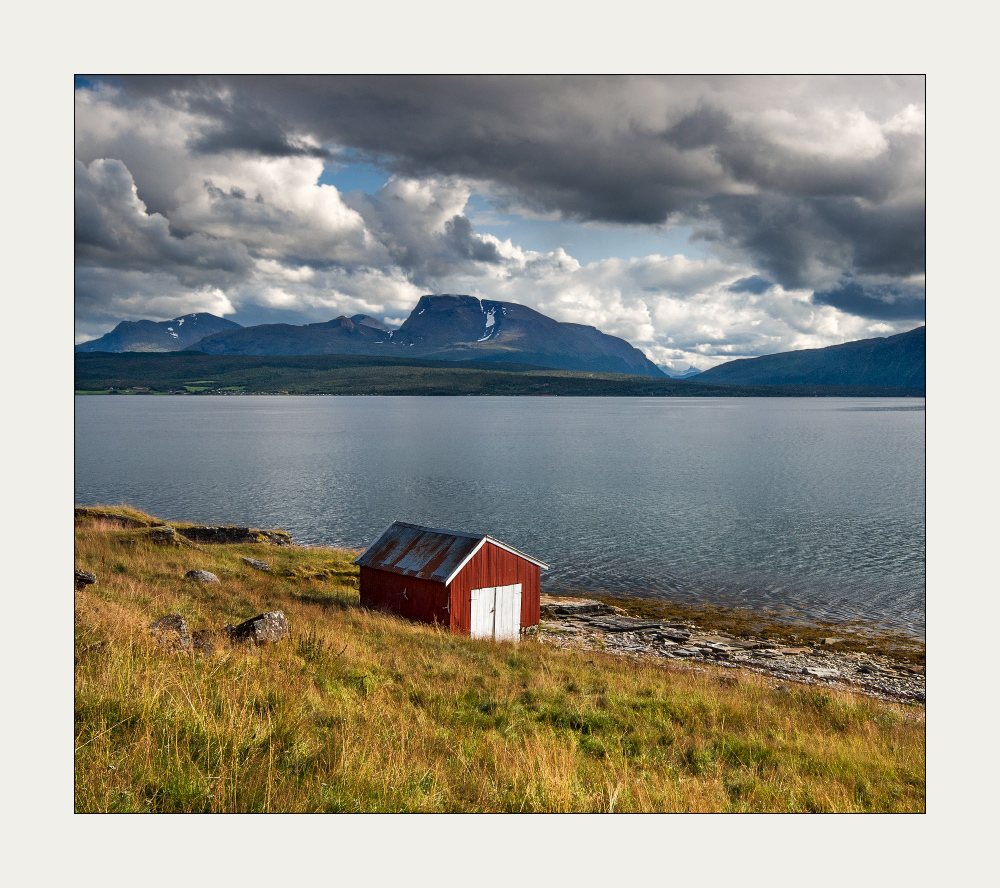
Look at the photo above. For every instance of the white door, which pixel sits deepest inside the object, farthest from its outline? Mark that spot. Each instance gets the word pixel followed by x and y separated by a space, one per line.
pixel 481 615
pixel 496 613
pixel 508 613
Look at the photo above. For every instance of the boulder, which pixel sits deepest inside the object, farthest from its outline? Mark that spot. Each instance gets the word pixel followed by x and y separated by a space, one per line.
pixel 164 534
pixel 171 631
pixel 257 565
pixel 265 628
pixel 84 578
pixel 201 576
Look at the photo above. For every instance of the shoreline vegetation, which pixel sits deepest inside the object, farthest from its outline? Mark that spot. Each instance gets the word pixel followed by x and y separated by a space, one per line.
pixel 361 711
pixel 186 373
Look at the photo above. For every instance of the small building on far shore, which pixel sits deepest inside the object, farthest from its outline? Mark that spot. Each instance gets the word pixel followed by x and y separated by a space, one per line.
pixel 471 583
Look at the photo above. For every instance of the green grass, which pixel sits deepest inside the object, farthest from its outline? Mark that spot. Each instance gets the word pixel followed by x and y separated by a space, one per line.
pixel 360 711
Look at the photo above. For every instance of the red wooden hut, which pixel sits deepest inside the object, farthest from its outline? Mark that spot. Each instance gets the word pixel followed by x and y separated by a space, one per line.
pixel 471 583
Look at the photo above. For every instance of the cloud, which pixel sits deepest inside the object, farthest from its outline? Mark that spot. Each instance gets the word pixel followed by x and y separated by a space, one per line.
pixel 807 192
pixel 885 302
pixel 816 158
pixel 105 296
pixel 753 284
pixel 114 230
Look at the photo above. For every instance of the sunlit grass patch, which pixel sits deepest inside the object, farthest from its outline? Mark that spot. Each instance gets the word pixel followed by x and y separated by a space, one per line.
pixel 360 711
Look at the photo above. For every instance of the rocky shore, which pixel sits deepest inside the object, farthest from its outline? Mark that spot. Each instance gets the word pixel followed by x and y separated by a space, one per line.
pixel 585 624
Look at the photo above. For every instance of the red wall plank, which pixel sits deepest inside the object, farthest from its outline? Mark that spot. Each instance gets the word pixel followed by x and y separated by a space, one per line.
pixel 423 601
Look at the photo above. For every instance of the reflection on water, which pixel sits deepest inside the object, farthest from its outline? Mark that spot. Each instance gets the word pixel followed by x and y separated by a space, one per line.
pixel 812 503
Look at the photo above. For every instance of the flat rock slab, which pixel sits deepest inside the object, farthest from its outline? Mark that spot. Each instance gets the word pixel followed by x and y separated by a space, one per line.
pixel 218 534
pixel 172 631
pixel 265 628
pixel 816 672
pixel 257 565
pixel 621 624
pixel 201 576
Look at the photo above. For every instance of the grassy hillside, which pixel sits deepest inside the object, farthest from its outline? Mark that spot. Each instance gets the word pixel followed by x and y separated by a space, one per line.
pixel 360 711
pixel 102 373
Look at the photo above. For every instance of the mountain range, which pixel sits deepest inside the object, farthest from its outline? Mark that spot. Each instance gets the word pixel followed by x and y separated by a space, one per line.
pixel 898 360
pixel 446 327
pixel 679 374
pixel 459 328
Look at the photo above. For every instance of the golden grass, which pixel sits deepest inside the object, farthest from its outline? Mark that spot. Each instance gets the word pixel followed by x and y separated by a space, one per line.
pixel 360 711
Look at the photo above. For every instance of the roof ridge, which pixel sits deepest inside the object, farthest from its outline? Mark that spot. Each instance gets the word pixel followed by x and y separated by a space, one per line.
pixel 455 533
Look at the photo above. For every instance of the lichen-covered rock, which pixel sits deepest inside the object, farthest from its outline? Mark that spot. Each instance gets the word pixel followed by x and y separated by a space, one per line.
pixel 164 534
pixel 201 576
pixel 172 631
pixel 265 628
pixel 257 565
pixel 219 534
pixel 84 578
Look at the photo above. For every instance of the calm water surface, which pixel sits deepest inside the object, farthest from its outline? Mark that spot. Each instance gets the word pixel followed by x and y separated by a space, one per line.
pixel 816 504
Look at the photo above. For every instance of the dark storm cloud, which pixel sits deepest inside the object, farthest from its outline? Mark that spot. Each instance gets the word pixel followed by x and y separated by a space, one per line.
pixel 754 284
pixel 460 237
pixel 239 123
pixel 624 150
pixel 884 303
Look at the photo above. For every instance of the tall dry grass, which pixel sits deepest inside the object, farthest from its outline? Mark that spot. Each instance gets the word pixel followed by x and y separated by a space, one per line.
pixel 359 711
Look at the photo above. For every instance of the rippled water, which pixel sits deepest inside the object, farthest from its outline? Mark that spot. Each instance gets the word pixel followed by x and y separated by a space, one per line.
pixel 815 504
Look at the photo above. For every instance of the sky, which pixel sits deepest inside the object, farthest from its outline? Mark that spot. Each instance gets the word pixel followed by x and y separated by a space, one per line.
pixel 699 218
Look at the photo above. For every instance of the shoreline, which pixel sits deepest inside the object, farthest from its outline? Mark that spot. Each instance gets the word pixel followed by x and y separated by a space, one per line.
pixel 871 664
pixel 853 656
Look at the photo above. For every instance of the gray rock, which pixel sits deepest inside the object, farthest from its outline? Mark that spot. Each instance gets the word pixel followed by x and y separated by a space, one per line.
pixel 164 534
pixel 671 634
pixel 201 576
pixel 171 631
pixel 84 578
pixel 257 565
pixel 212 534
pixel 816 672
pixel 265 628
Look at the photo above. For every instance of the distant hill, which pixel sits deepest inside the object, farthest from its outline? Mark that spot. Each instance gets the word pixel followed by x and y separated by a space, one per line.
pixel 357 335
pixel 898 360
pixel 447 328
pixel 680 374
pixel 158 336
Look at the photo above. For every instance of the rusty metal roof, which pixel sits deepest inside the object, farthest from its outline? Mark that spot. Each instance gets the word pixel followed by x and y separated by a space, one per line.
pixel 428 553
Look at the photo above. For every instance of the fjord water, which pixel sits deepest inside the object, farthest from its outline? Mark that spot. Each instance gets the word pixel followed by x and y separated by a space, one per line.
pixel 813 504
